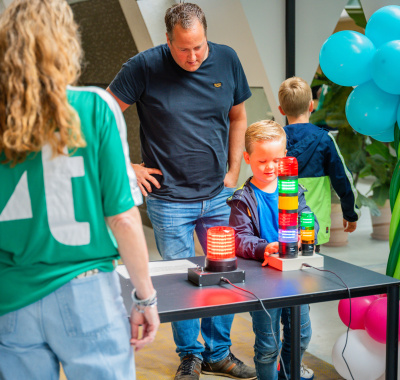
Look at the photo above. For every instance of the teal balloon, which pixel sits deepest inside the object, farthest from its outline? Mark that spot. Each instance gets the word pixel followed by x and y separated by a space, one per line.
pixel 345 58
pixel 385 136
pixel 385 67
pixel 370 110
pixel 384 25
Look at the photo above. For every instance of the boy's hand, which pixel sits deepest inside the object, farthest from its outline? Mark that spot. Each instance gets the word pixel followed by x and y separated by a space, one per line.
pixel 349 226
pixel 269 250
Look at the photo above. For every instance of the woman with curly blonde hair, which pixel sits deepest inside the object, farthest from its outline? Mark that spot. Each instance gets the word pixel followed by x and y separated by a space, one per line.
pixel 37 63
pixel 65 178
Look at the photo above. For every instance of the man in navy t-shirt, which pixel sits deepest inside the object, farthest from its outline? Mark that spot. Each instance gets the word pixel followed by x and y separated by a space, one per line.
pixel 189 95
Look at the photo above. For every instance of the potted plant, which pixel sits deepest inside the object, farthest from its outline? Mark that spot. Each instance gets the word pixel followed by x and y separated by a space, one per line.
pixel 380 163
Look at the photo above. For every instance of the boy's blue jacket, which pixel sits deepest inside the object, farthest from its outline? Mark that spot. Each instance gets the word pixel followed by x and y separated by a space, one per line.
pixel 320 165
pixel 244 219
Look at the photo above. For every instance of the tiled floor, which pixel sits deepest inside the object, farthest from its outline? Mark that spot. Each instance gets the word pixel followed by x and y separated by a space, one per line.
pixel 361 250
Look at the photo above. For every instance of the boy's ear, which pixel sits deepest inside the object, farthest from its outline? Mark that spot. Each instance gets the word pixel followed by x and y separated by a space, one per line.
pixel 246 157
pixel 281 111
pixel 285 152
pixel 311 106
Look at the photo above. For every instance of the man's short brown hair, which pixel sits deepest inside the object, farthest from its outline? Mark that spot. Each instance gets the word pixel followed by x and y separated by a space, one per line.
pixel 295 96
pixel 264 130
pixel 184 14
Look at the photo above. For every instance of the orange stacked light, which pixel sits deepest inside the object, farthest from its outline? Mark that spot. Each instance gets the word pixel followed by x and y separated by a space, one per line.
pixel 221 249
pixel 288 205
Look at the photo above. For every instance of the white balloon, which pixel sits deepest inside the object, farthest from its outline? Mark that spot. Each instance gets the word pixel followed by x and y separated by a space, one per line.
pixel 365 356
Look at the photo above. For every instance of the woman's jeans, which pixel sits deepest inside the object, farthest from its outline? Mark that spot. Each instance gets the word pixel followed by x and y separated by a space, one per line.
pixel 265 348
pixel 83 325
pixel 174 224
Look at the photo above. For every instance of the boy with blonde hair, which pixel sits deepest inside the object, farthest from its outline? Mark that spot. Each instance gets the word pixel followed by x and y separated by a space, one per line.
pixel 320 161
pixel 254 216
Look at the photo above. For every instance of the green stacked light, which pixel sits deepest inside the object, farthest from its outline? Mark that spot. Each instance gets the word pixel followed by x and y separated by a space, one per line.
pixel 307 233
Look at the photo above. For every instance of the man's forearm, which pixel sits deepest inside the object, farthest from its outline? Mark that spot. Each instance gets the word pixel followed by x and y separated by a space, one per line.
pixel 237 130
pixel 236 145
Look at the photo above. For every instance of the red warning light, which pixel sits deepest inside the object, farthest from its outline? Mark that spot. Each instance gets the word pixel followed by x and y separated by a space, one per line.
pixel 220 243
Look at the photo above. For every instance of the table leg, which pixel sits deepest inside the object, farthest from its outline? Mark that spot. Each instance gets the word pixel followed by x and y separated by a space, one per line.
pixel 392 333
pixel 295 361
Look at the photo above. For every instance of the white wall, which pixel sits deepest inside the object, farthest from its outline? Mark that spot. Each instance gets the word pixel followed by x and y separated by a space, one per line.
pixel 370 6
pixel 315 22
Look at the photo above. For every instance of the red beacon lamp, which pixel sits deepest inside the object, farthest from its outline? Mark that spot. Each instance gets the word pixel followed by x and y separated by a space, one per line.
pixel 221 249
pixel 220 262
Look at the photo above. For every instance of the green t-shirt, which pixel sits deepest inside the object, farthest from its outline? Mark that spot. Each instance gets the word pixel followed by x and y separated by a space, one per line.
pixel 52 210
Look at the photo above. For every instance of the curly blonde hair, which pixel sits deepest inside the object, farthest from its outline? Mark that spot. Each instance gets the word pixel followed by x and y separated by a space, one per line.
pixel 40 54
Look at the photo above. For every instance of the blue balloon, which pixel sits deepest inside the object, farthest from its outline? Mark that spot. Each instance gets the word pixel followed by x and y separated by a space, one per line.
pixel 371 111
pixel 345 58
pixel 385 67
pixel 385 136
pixel 384 25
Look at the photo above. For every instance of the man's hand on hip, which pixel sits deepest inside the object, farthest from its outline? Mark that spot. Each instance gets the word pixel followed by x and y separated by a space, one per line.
pixel 144 177
pixel 230 179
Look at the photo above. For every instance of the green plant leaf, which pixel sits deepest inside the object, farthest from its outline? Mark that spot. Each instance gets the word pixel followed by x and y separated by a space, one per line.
pixel 380 194
pixel 378 147
pixel 368 202
pixel 379 169
pixel 357 161
pixel 357 14
pixel 365 171
pixel 318 116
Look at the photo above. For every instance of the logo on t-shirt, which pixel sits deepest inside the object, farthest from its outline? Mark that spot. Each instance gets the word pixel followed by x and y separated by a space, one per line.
pixel 219 84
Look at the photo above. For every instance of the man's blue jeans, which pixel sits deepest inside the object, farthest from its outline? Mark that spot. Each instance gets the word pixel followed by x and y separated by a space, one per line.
pixel 265 349
pixel 174 224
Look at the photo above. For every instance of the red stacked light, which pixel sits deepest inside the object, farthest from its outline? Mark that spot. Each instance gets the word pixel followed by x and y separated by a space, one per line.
pixel 288 207
pixel 221 249
pixel 288 167
pixel 286 220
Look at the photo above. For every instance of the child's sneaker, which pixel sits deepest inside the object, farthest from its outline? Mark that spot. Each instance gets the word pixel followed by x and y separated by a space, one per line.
pixel 306 373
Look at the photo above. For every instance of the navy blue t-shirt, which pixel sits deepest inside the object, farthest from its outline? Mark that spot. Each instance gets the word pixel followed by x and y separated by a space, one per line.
pixel 184 122
pixel 267 208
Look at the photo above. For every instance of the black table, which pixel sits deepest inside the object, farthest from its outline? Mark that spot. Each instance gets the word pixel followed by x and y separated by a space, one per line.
pixel 179 299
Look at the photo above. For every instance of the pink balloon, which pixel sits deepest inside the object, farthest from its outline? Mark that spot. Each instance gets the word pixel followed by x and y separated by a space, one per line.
pixel 376 320
pixel 359 307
